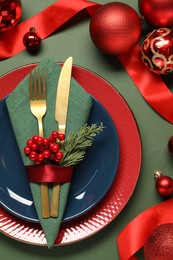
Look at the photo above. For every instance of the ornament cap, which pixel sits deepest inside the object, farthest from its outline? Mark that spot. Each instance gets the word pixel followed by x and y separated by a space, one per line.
pixel 157 174
pixel 32 29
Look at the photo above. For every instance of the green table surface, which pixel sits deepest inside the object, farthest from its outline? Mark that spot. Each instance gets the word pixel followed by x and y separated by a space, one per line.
pixel 74 40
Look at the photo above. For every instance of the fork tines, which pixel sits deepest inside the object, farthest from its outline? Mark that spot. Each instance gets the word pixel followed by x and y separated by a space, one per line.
pixel 38 89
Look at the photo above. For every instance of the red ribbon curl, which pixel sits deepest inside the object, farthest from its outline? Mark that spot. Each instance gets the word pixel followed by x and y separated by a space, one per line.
pixel 134 235
pixel 49 173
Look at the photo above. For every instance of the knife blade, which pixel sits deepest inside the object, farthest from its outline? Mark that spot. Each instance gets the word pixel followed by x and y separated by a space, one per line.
pixel 62 96
pixel 61 109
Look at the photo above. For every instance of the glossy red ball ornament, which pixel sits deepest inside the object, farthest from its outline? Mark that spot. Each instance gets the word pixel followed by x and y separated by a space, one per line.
pixel 164 184
pixel 157 51
pixel 10 14
pixel 115 28
pixel 159 244
pixel 158 13
pixel 32 40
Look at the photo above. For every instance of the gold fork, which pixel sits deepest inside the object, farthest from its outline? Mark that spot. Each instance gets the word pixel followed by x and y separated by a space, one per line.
pixel 37 91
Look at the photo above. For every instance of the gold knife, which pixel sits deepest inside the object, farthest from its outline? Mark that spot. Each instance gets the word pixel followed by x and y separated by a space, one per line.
pixel 61 108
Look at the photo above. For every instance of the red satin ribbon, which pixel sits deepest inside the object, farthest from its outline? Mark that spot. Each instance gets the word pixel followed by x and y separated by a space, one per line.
pixel 46 22
pixel 134 235
pixel 49 173
pixel 150 85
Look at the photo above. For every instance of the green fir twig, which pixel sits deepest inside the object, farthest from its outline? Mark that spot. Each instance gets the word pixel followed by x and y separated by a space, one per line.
pixel 75 145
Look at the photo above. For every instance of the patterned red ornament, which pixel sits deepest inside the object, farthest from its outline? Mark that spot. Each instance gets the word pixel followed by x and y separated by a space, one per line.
pixel 157 51
pixel 158 245
pixel 115 28
pixel 10 13
pixel 157 13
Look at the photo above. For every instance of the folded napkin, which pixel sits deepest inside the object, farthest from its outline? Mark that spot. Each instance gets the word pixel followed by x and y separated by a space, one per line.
pixel 25 126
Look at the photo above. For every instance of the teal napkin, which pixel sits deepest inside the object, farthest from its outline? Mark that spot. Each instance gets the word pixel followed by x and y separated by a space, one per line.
pixel 25 126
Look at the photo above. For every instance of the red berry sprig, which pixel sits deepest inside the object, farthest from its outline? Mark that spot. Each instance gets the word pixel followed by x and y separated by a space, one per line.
pixel 45 150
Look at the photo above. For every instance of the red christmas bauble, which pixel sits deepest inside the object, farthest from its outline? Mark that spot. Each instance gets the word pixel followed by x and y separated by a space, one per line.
pixel 115 28
pixel 157 51
pixel 164 185
pixel 158 13
pixel 32 40
pixel 159 244
pixel 10 13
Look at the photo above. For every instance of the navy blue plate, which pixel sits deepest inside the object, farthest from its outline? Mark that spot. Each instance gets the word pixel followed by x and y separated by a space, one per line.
pixel 92 177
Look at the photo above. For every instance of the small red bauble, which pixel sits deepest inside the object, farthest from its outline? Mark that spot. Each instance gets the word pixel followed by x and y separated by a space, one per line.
pixel 164 184
pixel 32 40
pixel 10 14
pixel 157 51
pixel 158 13
pixel 115 28
pixel 159 244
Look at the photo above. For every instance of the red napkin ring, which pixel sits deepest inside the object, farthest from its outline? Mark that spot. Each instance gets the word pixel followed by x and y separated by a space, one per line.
pixel 49 173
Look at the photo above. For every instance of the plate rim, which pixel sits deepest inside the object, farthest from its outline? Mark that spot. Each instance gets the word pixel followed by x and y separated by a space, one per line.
pixel 88 216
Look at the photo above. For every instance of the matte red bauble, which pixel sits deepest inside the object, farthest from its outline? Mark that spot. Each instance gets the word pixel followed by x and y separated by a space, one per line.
pixel 158 13
pixel 115 28
pixel 159 244
pixel 10 13
pixel 157 51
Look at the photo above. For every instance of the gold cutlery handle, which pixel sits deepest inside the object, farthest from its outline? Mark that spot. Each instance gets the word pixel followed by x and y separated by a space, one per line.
pixel 55 200
pixel 40 127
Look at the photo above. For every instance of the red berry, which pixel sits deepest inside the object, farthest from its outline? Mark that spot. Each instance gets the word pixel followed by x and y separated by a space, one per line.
pixel 46 154
pixel 34 146
pixel 29 142
pixel 27 150
pixel 40 157
pixel 33 156
pixel 55 134
pixel 51 146
pixel 45 141
pixel 54 148
pixel 35 138
pixel 61 137
pixel 37 161
pixel 59 155
pixel 40 140
pixel 52 139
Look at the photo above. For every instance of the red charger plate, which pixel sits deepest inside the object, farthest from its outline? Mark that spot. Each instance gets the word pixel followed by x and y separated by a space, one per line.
pixel 126 178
